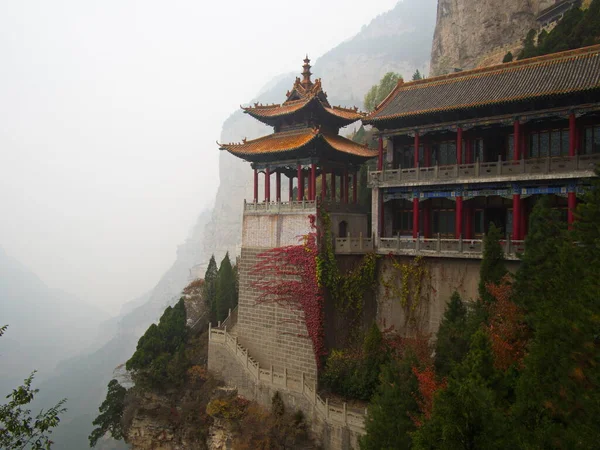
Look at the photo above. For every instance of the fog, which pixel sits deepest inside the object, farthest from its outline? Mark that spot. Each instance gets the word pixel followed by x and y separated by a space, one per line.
pixel 109 113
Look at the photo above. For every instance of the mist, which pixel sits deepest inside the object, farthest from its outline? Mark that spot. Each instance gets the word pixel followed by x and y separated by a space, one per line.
pixel 109 113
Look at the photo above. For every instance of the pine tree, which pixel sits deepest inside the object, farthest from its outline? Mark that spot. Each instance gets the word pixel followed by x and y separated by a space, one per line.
pixel 507 58
pixel 453 336
pixel 210 288
pixel 389 422
pixel 492 267
pixel 226 297
pixel 466 414
pixel 417 75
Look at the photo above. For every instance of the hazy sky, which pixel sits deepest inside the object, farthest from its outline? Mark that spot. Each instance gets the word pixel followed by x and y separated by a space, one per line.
pixel 109 113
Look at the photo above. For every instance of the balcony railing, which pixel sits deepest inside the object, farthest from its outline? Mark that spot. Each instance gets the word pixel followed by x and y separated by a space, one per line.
pixel 451 248
pixel 278 207
pixel 522 168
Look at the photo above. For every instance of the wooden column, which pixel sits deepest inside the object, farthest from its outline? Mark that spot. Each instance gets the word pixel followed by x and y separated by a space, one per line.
pixel 255 185
pixel 572 204
pixel 572 135
pixel 346 186
pixel 342 188
pixel 380 155
pixel 300 193
pixel 516 220
pixel 427 151
pixel 415 218
pixel 333 186
pixel 267 185
pixel 517 141
pixel 313 182
pixel 278 186
pixel 323 184
pixel 355 187
pixel 417 144
pixel 291 189
pixel 458 228
pixel 459 142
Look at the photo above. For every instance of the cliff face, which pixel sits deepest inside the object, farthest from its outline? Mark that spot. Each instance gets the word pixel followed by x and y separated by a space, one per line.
pixel 470 33
pixel 399 41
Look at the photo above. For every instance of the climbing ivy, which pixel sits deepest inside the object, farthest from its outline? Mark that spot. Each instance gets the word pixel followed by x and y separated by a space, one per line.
pixel 346 290
pixel 409 291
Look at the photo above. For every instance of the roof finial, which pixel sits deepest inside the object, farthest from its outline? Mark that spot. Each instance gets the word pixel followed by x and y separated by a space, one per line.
pixel 306 73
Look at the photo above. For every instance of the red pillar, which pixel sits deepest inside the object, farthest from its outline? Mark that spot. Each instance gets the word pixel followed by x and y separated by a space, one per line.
pixel 516 220
pixel 267 185
pixel 468 222
pixel 291 189
pixel 415 217
pixel 517 141
pixel 300 183
pixel 323 184
pixel 458 219
pixel 333 186
pixel 427 151
pixel 416 149
pixel 459 141
pixel 255 185
pixel 380 157
pixel 278 186
pixel 572 135
pixel 355 188
pixel 313 182
pixel 572 204
pixel 427 220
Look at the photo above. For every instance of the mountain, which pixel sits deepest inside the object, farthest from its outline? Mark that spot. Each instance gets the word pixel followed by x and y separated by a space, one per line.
pixel 45 325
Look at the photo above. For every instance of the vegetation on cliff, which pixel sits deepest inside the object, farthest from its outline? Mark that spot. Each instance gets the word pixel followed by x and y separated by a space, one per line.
pixel 578 28
pixel 220 288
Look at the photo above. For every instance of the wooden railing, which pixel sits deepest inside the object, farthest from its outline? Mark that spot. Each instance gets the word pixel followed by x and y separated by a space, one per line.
pixel 523 167
pixel 292 381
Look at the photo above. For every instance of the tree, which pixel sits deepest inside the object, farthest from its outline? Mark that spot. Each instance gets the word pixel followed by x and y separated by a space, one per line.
pixel 159 359
pixel 389 420
pixel 492 268
pixel 210 288
pixel 380 91
pixel 453 336
pixel 111 413
pixel 417 75
pixel 466 414
pixel 507 58
pixel 226 291
pixel 18 428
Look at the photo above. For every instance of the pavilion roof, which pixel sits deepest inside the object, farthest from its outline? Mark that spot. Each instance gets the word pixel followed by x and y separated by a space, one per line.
pixel 299 143
pixel 304 93
pixel 521 81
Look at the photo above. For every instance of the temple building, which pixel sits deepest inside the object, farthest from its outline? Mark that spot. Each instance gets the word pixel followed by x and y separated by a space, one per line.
pixel 460 151
pixel 305 145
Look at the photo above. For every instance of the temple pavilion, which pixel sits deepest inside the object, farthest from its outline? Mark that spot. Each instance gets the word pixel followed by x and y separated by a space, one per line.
pixel 305 145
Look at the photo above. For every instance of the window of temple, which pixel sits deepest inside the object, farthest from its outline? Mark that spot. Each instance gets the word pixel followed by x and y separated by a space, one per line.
pixel 478 223
pixel 443 222
pixel 591 142
pixel 443 153
pixel 407 156
pixel 343 229
pixel 548 143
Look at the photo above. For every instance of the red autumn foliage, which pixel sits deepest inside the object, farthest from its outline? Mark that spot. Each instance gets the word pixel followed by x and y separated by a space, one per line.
pixel 506 329
pixel 288 277
pixel 428 386
pixel 418 345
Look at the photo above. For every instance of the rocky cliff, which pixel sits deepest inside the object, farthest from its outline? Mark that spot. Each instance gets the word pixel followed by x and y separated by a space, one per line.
pixel 399 41
pixel 471 33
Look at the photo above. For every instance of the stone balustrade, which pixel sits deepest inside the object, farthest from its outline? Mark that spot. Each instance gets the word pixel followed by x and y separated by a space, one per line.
pixel 279 207
pixel 521 169
pixel 438 247
pixel 292 381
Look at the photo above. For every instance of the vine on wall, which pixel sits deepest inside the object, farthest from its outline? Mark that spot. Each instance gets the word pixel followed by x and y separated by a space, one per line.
pixel 409 291
pixel 288 277
pixel 346 290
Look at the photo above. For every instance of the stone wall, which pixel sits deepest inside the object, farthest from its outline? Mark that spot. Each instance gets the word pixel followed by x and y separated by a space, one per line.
pixel 467 31
pixel 445 275
pixel 331 435
pixel 274 334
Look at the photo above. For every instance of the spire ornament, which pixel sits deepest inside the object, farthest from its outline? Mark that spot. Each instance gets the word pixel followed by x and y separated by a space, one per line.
pixel 306 73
